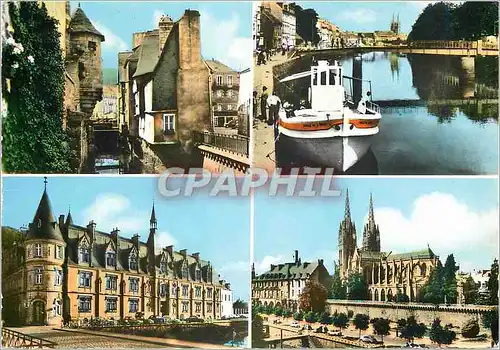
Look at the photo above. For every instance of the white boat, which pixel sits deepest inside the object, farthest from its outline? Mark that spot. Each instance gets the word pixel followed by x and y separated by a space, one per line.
pixel 330 131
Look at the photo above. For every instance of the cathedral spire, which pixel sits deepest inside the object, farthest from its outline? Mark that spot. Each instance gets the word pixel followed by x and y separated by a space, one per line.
pixel 347 210
pixel 371 215
pixel 152 221
pixel 371 233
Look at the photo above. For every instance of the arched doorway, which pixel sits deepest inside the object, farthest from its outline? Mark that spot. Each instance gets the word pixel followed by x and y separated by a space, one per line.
pixel 39 312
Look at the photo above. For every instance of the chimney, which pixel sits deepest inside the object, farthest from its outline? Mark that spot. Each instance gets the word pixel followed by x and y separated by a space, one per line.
pixel 61 221
pixel 170 249
pixel 91 230
pixel 296 255
pixel 320 262
pixel 115 236
pixel 196 256
pixel 164 28
pixel 272 267
pixel 135 240
pixel 183 252
pixel 189 40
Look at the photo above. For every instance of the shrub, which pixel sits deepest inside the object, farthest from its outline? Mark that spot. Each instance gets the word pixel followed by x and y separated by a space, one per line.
pixel 470 329
pixel 309 317
pixel 278 311
pixel 325 318
pixel 298 316
pixel 350 314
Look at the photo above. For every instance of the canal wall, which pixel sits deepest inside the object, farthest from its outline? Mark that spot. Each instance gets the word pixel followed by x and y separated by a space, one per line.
pixel 426 313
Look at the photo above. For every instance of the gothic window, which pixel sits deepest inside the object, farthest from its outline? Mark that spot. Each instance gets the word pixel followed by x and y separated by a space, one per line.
pixel 163 290
pixel 38 275
pixel 209 292
pixel 85 279
pixel 209 307
pixel 133 284
pixel 111 282
pixel 111 304
pixel 38 251
pixel 185 306
pixel 198 292
pixel 133 262
pixel 424 269
pixel 111 259
pixel 84 304
pixel 84 254
pixel 198 307
pixel 185 290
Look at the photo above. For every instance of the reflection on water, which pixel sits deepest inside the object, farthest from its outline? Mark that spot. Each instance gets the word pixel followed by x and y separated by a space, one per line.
pixel 107 164
pixel 241 343
pixel 440 113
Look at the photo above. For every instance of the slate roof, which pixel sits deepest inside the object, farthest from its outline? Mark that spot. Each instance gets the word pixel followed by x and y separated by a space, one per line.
pixel 426 253
pixel 80 23
pixel 44 225
pixel 219 67
pixel 148 54
pixel 288 271
pixel 122 59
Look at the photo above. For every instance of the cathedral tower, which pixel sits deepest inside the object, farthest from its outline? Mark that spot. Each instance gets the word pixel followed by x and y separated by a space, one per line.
pixel 371 233
pixel 347 239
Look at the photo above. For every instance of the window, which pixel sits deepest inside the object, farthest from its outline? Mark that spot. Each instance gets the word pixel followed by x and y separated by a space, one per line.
pixel 185 290
pixel 111 304
pixel 38 251
pixel 84 304
pixel 85 279
pixel 56 307
pixel 209 307
pixel 219 93
pixel 92 45
pixel 198 275
pixel 133 305
pixel 168 124
pixel 198 307
pixel 333 75
pixel 133 262
pixel 38 275
pixel 84 254
pixel 219 107
pixel 209 278
pixel 185 306
pixel 229 107
pixel 59 252
pixel 163 290
pixel 133 284
pixel 323 78
pixel 184 272
pixel 174 290
pixel 58 277
pixel 163 267
pixel 229 80
pixel 110 259
pixel 209 292
pixel 111 282
pixel 218 79
pixel 197 292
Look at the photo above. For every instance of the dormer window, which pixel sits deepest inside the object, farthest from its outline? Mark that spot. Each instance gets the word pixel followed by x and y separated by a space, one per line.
pixel 209 274
pixel 110 259
pixel 133 262
pixel 163 267
pixel 198 274
pixel 84 254
pixel 184 271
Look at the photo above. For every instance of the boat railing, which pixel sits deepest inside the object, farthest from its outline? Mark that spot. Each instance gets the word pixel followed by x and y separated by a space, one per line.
pixel 373 106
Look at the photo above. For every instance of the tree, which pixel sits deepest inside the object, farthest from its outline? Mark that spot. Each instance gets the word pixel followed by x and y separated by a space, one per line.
pixel 381 327
pixel 441 335
pixel 493 284
pixel 401 298
pixel 240 304
pixel 436 22
pixel 361 322
pixel 490 320
pixel 356 287
pixel 341 321
pixel 338 288
pixel 449 278
pixel 474 20
pixel 471 292
pixel 325 318
pixel 33 136
pixel 298 316
pixel 313 297
pixel 470 329
pixel 410 329
pixel 432 291
pixel 306 24
pixel 257 331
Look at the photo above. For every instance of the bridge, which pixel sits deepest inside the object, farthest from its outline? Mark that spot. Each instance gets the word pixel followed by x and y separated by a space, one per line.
pixel 14 339
pixel 444 102
pixel 436 47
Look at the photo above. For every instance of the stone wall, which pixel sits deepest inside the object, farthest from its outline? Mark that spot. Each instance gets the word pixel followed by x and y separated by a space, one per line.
pixel 426 313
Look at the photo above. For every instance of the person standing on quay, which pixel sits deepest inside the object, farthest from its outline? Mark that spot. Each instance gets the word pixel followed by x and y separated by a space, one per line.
pixel 263 104
pixel 273 102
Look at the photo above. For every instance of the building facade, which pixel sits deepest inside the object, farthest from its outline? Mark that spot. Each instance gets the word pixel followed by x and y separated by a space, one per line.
pixel 271 25
pixel 225 84
pixel 289 30
pixel 164 83
pixel 226 305
pixel 61 271
pixel 386 273
pixel 282 284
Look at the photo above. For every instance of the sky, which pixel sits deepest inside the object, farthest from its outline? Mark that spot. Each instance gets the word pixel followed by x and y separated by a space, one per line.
pixel 218 228
pixel 226 27
pixel 368 16
pixel 453 215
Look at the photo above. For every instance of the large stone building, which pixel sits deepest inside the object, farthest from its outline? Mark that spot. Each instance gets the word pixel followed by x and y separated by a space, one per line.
pixel 386 273
pixel 64 271
pixel 282 284
pixel 271 25
pixel 165 84
pixel 289 30
pixel 225 90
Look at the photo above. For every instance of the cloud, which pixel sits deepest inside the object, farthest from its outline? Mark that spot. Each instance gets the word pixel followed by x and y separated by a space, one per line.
pixel 266 262
pixel 220 40
pixel 112 41
pixel 446 224
pixel 110 210
pixel 359 16
pixel 162 240
pixel 156 17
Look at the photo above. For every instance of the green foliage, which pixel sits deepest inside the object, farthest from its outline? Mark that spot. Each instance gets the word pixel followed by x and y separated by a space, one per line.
pixel 337 288
pixel 401 298
pixel 278 311
pixel 257 331
pixel 441 335
pixel 313 297
pixel 325 318
pixel 470 290
pixel 381 326
pixel 310 317
pixel 449 278
pixel 361 322
pixel 240 304
pixel 33 137
pixel 357 288
pixel 490 320
pixel 350 314
pixel 493 284
pixel 410 329
pixel 340 320
pixel 298 316
pixel 432 291
pixel 447 21
pixel 470 329
pixel 306 24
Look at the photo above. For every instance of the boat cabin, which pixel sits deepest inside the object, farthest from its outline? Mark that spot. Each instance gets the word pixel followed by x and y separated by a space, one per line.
pixel 326 92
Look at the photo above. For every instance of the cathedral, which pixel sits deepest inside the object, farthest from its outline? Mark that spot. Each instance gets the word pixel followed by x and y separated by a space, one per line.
pixel 386 273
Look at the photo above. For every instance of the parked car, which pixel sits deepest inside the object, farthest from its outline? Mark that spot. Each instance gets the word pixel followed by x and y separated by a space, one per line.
pixel 368 339
pixel 295 324
pixel 307 327
pixel 157 319
pixel 194 319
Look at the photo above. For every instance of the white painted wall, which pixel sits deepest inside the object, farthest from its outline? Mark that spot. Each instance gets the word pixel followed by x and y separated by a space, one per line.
pixel 226 303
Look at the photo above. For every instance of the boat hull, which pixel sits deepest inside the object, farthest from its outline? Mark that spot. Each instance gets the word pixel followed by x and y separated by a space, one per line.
pixel 340 153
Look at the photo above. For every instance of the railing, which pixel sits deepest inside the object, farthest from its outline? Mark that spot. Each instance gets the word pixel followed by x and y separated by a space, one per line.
pixel 442 44
pixel 233 143
pixel 13 339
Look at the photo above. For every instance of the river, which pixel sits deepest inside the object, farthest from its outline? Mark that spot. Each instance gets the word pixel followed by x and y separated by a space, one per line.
pixel 439 113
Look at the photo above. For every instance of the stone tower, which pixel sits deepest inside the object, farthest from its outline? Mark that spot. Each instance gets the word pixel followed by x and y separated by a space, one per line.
pixel 395 26
pixel 164 28
pixel 84 60
pixel 45 247
pixel 347 240
pixel 371 233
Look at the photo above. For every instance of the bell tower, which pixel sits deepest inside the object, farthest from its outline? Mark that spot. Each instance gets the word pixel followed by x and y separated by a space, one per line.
pixel 347 240
pixel 371 233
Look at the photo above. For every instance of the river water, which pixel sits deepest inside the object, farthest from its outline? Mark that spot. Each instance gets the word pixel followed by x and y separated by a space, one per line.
pixel 439 113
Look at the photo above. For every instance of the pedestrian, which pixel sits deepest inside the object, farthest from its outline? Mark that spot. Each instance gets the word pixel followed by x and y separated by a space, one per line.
pixel 283 49
pixel 362 103
pixel 263 104
pixel 273 102
pixel 254 104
